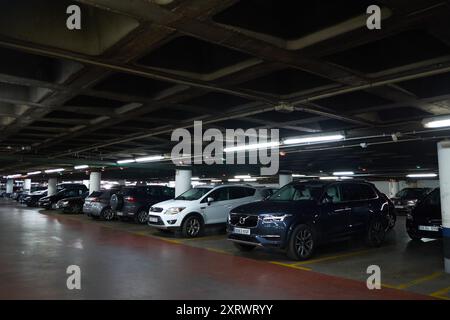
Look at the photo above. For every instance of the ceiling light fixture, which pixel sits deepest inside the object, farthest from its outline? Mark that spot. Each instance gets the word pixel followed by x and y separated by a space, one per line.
pixel 54 170
pixel 149 158
pixel 126 161
pixel 256 146
pixel 343 173
pixel 84 166
pixel 315 139
pixel 422 175
pixel 437 122
pixel 34 173
pixel 243 177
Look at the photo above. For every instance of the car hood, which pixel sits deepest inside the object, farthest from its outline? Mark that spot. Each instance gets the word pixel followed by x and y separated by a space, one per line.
pixel 276 207
pixel 173 203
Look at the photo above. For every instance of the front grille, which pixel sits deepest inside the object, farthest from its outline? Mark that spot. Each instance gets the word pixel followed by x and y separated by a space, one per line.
pixel 156 209
pixel 243 220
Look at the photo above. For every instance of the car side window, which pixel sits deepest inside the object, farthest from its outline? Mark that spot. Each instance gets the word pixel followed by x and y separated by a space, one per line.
pixel 240 192
pixel 219 194
pixel 333 194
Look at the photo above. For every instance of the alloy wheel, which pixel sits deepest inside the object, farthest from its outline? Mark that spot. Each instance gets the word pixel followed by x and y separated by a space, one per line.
pixel 193 227
pixel 304 243
pixel 142 217
pixel 108 214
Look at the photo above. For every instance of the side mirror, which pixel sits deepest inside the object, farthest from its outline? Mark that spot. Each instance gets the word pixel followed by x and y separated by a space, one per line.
pixel 209 200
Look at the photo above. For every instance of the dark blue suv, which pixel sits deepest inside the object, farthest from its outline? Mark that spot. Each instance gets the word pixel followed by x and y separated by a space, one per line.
pixel 302 215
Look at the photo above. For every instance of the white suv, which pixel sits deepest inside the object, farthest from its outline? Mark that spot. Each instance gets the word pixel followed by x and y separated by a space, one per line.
pixel 202 205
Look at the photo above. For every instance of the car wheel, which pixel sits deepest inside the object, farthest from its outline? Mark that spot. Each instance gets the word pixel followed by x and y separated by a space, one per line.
pixel 192 227
pixel 302 243
pixel 390 221
pixel 414 237
pixel 244 247
pixel 107 214
pixel 141 217
pixel 376 233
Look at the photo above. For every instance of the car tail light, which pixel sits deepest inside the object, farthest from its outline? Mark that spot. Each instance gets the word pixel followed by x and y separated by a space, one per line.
pixel 130 199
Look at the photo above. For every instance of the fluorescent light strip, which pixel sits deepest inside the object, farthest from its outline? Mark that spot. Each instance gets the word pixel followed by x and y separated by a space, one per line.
pixel 34 173
pixel 437 122
pixel 84 166
pixel 251 180
pixel 422 175
pixel 234 180
pixel 252 147
pixel 343 173
pixel 126 161
pixel 314 139
pixel 298 176
pixel 54 170
pixel 149 158
pixel 243 177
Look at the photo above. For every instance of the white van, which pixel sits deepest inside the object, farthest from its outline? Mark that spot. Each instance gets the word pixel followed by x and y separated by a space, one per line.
pixel 202 205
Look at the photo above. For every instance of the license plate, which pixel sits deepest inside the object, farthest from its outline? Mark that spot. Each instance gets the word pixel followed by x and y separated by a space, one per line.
pixel 428 228
pixel 399 207
pixel 152 219
pixel 119 213
pixel 242 231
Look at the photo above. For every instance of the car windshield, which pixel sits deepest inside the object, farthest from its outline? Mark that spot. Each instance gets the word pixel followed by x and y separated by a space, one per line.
pixel 297 192
pixel 412 193
pixel 193 194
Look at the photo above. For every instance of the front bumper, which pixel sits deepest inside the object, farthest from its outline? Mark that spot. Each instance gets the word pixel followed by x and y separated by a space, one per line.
pixel 164 222
pixel 414 228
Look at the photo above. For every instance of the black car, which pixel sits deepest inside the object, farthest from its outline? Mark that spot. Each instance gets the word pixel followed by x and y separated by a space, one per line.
pixel 301 215
pixel 72 204
pixel 134 202
pixel 96 205
pixel 32 199
pixel 406 199
pixel 425 221
pixel 74 190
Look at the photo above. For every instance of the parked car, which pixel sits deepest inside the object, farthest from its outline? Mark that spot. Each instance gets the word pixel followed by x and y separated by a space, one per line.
pixel 26 194
pixel 425 220
pixel 302 215
pixel 74 190
pixel 72 204
pixel 32 199
pixel 191 211
pixel 97 204
pixel 134 202
pixel 406 199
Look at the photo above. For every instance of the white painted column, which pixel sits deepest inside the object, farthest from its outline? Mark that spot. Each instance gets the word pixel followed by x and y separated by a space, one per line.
pixel 444 178
pixel 9 186
pixel 394 187
pixel 284 179
pixel 94 181
pixel 27 185
pixel 182 181
pixel 52 182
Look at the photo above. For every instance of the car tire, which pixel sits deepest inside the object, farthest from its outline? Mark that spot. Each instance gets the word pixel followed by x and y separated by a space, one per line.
pixel 414 237
pixel 376 233
pixel 141 216
pixel 192 227
pixel 244 247
pixel 391 220
pixel 107 214
pixel 302 243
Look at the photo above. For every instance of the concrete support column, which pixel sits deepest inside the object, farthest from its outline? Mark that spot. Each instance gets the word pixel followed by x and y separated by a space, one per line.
pixel 182 181
pixel 444 181
pixel 27 185
pixel 94 181
pixel 394 188
pixel 9 186
pixel 284 179
pixel 52 182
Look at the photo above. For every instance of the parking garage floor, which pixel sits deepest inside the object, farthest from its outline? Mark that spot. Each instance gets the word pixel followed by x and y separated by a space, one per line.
pixel 126 261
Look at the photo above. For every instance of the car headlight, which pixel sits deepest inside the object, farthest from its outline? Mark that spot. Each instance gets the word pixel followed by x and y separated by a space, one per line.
pixel 411 202
pixel 174 210
pixel 275 218
pixel 64 203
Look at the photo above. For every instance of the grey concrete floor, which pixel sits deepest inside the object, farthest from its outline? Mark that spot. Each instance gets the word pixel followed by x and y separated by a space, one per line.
pixel 405 265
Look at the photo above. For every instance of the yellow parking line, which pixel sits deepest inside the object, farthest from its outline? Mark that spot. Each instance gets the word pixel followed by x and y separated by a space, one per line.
pixel 293 266
pixel 414 282
pixel 217 250
pixel 389 286
pixel 441 294
pixel 334 257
